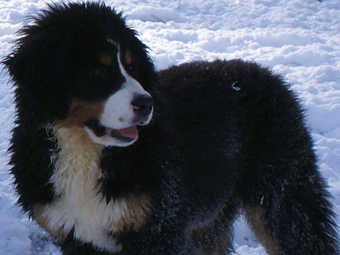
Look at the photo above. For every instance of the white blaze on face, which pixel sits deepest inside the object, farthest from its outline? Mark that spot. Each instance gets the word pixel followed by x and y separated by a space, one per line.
pixel 118 112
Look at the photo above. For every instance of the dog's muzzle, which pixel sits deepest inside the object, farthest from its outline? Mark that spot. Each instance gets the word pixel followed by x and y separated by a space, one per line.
pixel 142 108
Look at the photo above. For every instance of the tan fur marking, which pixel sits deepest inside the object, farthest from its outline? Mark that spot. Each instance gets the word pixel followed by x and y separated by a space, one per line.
pixel 58 234
pixel 128 58
pixel 79 205
pixel 138 209
pixel 254 218
pixel 105 59
pixel 80 112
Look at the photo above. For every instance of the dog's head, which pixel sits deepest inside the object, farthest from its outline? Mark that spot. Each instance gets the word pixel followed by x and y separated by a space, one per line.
pixel 82 64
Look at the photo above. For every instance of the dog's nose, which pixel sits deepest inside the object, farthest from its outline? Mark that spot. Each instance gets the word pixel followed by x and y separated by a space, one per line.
pixel 142 105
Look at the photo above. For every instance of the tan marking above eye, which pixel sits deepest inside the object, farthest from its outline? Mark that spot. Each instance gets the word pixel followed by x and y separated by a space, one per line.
pixel 105 59
pixel 128 58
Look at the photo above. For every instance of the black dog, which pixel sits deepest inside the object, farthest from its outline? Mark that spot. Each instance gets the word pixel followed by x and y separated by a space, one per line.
pixel 225 136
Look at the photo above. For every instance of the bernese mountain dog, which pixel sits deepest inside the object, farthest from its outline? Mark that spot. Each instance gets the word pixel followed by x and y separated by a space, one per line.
pixel 111 157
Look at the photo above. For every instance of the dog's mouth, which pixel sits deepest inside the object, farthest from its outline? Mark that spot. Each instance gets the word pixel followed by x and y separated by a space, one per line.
pixel 127 134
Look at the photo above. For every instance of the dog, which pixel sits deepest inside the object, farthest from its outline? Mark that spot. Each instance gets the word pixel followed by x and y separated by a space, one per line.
pixel 112 157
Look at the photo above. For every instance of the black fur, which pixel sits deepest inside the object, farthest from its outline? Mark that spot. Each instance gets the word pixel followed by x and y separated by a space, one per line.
pixel 226 136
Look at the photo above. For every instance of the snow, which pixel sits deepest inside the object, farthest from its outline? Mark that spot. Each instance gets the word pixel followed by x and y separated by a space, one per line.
pixel 298 39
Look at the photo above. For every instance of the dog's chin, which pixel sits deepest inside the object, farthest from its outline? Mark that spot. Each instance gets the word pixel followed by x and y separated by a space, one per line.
pixel 109 136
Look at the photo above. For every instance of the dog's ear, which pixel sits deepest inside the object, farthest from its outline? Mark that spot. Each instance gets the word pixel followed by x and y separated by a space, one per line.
pixel 38 67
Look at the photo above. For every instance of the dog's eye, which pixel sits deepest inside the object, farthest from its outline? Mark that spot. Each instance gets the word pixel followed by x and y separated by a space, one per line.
pixel 100 73
pixel 130 67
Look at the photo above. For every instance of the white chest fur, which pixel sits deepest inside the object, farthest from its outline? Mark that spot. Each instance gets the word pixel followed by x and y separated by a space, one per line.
pixel 79 204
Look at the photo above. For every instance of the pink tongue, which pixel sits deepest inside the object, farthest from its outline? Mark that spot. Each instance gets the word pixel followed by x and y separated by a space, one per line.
pixel 130 132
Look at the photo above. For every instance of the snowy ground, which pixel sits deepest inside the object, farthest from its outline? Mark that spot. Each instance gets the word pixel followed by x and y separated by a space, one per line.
pixel 297 38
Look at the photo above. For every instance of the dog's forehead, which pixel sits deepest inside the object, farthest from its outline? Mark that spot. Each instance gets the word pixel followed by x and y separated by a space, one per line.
pixel 105 54
pixel 112 42
pixel 106 58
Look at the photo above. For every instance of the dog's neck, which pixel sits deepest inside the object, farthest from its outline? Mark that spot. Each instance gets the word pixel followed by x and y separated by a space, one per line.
pixel 76 183
pixel 78 160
